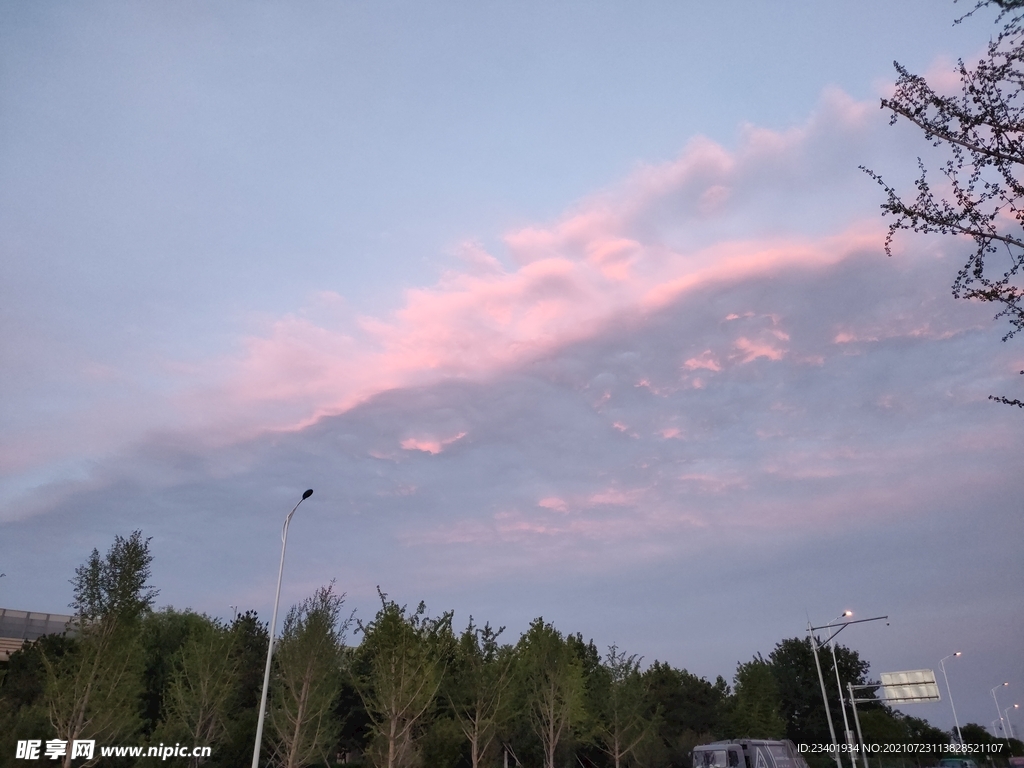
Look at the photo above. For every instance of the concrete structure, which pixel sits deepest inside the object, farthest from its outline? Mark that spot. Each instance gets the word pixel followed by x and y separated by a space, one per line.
pixel 17 627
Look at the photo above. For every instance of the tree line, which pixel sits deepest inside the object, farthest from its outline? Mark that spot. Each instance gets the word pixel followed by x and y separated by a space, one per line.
pixel 413 691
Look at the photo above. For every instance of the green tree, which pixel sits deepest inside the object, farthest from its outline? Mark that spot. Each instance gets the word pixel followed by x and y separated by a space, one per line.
pixel 479 686
pixel 307 679
pixel 397 670
pixel 624 723
pixel 162 634
pixel 23 711
pixel 690 711
pixel 756 704
pixel 94 689
pixel 551 680
pixel 249 639
pixel 976 735
pixel 195 704
pixel 981 196
pixel 792 663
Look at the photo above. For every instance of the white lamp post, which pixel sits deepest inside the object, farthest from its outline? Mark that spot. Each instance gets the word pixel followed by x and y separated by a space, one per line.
pixel 821 679
pixel 824 698
pixel 273 626
pixel 1009 725
pixel 942 663
pixel 999 712
pixel 839 685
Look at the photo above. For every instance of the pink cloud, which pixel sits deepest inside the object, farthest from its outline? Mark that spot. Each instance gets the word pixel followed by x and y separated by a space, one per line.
pixel 553 503
pixel 615 496
pixel 705 360
pixel 430 445
pixel 751 350
pixel 616 255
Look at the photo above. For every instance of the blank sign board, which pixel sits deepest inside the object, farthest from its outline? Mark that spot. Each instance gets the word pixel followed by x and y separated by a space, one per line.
pixel 908 687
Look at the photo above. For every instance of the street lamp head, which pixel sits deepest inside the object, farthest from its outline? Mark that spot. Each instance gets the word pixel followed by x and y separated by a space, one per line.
pixel 307 494
pixel 847 613
pixel 958 653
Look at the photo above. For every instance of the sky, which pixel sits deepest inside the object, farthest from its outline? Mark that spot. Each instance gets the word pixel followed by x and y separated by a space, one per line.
pixel 573 310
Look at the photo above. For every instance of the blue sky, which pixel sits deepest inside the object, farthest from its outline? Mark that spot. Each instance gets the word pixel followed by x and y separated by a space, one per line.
pixel 565 309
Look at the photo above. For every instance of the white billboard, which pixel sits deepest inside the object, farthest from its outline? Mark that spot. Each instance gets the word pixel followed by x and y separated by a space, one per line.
pixel 908 687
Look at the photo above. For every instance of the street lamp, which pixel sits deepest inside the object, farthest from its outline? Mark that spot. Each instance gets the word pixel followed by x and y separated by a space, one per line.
pixel 273 626
pixel 999 712
pixel 1009 725
pixel 839 686
pixel 821 679
pixel 824 698
pixel 942 663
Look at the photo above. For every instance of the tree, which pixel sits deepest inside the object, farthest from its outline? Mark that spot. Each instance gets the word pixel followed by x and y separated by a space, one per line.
pixel 307 679
pixel 397 671
pixel 249 639
pixel 792 664
pixel 756 705
pixel 552 682
pixel 196 699
pixel 624 723
pixel 689 711
pixel 480 679
pixel 23 711
pixel 93 690
pixel 981 132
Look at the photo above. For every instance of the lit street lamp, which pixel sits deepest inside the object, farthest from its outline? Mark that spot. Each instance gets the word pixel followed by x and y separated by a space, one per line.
pixel 824 698
pixel 999 712
pixel 942 663
pixel 821 679
pixel 273 626
pixel 839 685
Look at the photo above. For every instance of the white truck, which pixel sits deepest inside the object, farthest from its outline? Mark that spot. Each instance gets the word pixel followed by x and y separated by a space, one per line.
pixel 747 753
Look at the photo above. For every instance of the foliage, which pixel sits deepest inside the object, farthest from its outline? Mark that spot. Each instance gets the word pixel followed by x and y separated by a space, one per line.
pixel 755 710
pixel 23 714
pixel 162 634
pixel 981 133
pixel 307 679
pixel 114 588
pixel 792 663
pixel 412 694
pixel 480 678
pixel 195 703
pixel 551 682
pixel 94 687
pixel 624 724
pixel 249 639
pixel 689 709
pixel 397 671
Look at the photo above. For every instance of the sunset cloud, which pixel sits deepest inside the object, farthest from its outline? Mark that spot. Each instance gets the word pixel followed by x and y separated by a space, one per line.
pixel 591 321
pixel 666 231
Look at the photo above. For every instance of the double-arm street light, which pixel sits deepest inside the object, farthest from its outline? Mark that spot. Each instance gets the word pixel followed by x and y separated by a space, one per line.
pixel 942 663
pixel 999 712
pixel 828 715
pixel 273 625
pixel 839 686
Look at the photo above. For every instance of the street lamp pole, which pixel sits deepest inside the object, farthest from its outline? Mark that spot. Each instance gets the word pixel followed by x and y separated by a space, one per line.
pixel 1009 725
pixel 942 664
pixel 273 626
pixel 821 679
pixel 824 697
pixel 839 686
pixel 999 712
